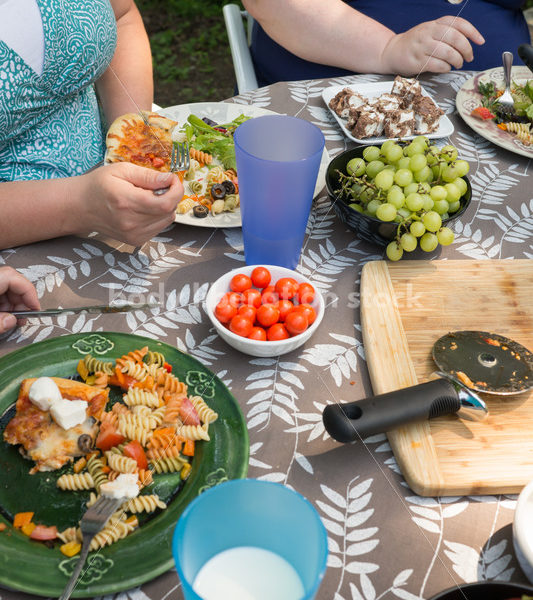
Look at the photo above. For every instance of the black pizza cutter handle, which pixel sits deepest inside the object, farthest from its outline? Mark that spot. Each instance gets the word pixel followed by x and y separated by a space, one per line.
pixel 443 396
pixel 525 52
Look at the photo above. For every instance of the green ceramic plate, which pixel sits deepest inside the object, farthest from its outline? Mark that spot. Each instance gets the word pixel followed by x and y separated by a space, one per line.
pixel 30 566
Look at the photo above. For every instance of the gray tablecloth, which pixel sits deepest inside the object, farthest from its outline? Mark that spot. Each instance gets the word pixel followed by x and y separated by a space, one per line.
pixel 384 541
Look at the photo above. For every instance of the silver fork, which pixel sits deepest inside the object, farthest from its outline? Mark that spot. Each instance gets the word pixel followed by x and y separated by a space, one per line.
pixel 506 101
pixel 91 523
pixel 179 161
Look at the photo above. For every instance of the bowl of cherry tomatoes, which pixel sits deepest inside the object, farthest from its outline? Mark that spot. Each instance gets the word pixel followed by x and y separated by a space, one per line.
pixel 264 310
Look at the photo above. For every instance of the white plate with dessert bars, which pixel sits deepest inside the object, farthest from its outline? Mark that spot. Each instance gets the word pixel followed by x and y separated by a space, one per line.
pixel 371 113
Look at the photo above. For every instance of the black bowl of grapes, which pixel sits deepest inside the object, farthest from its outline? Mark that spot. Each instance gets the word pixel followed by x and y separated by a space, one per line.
pixel 400 195
pixel 486 590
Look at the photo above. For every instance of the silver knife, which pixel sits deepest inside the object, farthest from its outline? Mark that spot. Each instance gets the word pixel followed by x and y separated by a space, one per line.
pixel 96 308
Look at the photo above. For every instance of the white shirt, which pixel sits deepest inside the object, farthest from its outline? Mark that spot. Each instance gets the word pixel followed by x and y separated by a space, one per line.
pixel 21 28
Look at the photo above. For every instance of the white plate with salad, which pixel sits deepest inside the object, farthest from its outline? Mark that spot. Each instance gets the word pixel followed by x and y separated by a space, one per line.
pixel 471 97
pixel 224 113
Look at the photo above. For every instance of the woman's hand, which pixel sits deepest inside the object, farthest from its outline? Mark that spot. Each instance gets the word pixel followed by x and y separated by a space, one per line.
pixel 16 293
pixel 118 200
pixel 434 46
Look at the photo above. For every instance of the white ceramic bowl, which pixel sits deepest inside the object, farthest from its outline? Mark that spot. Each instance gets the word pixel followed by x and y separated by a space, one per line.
pixel 523 530
pixel 256 347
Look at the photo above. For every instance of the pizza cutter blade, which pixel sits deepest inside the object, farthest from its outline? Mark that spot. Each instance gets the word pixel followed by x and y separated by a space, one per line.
pixel 485 362
pixel 468 361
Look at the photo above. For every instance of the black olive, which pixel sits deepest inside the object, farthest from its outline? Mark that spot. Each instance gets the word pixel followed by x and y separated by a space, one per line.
pixel 209 121
pixel 230 186
pixel 200 211
pixel 85 442
pixel 218 191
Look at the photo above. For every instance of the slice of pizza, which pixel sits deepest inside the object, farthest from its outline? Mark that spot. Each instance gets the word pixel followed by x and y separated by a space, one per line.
pixel 41 438
pixel 148 144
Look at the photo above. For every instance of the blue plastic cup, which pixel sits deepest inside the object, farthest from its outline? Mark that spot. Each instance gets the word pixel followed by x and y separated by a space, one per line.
pixel 278 158
pixel 249 512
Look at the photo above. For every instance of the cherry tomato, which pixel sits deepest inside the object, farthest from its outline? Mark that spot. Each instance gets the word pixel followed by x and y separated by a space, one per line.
pixel 258 333
pixel 261 277
pixel 134 450
pixel 285 306
pixel 306 293
pixel 276 332
pixel 286 287
pixel 241 325
pixel 240 282
pixel 233 298
pixel 225 311
pixel 309 311
pixel 269 295
pixel 252 297
pixel 296 322
pixel 247 311
pixel 267 315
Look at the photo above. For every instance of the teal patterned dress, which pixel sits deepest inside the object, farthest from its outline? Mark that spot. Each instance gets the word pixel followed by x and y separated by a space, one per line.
pixel 50 123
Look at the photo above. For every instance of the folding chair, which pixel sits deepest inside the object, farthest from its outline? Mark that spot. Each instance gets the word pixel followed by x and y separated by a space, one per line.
pixel 239 42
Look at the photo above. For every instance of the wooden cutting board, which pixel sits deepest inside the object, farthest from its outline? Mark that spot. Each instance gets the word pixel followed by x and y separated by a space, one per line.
pixel 405 308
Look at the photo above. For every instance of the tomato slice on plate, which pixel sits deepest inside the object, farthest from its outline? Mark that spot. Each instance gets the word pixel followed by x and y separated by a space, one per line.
pixel 108 437
pixel 134 450
pixel 43 533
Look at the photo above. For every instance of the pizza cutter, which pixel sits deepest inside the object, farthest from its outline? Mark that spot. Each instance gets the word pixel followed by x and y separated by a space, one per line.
pixel 468 362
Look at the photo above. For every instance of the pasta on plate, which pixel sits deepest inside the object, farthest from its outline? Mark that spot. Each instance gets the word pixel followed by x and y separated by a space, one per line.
pixel 151 430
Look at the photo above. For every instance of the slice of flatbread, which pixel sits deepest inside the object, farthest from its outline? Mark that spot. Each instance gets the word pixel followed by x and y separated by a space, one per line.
pixel 130 139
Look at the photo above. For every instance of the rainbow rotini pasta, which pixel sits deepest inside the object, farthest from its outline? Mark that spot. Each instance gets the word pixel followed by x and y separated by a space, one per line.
pixel 146 503
pixel 201 157
pixel 75 481
pixel 194 432
pixel 136 420
pixel 136 396
pixel 167 464
pixel 231 202
pixel 154 358
pixel 196 187
pixel 94 364
pixel 132 432
pixel 70 534
pixel 112 532
pixel 172 451
pixel 215 175
pixel 122 464
pixel 166 382
pixel 185 205
pixel 134 369
pixel 522 131
pixel 206 414
pixel 217 207
pixel 95 466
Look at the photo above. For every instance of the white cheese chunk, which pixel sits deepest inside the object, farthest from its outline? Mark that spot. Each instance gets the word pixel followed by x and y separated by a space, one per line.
pixel 124 486
pixel 44 392
pixel 69 413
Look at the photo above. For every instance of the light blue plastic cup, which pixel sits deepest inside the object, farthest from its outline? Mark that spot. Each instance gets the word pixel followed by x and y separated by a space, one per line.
pixel 278 158
pixel 249 512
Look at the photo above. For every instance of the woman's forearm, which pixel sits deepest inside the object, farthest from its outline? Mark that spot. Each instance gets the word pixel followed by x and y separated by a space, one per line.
pixel 128 84
pixel 37 210
pixel 331 33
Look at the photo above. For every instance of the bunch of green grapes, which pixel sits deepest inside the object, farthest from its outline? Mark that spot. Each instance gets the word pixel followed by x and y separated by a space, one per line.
pixel 416 185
